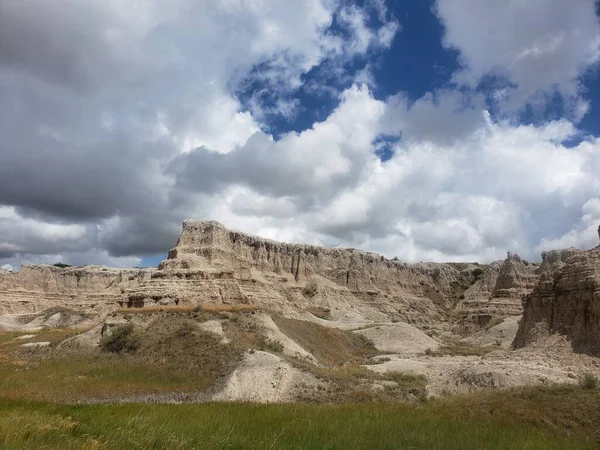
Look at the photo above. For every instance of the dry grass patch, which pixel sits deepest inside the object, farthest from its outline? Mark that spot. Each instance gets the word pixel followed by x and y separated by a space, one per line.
pixel 496 320
pixel 331 346
pixel 320 312
pixel 157 309
pixel 357 384
pixel 229 308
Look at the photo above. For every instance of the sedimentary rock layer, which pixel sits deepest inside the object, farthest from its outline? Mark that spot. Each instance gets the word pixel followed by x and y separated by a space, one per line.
pixel 501 286
pixel 212 264
pixel 566 301
pixel 37 287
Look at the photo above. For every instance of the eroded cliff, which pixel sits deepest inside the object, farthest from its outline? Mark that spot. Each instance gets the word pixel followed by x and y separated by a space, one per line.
pixel 87 288
pixel 500 287
pixel 212 264
pixel 566 301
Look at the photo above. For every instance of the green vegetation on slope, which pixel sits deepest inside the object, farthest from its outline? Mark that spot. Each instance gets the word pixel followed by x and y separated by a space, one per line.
pixel 459 348
pixel 535 418
pixel 171 359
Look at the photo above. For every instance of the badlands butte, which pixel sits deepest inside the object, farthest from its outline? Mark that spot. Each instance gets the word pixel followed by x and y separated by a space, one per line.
pixel 296 312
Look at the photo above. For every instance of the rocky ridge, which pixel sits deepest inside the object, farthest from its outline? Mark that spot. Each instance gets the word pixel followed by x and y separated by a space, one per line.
pixel 212 264
pixel 407 313
pixel 501 286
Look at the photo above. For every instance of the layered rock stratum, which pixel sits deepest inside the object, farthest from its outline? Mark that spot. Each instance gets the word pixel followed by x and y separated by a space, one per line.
pixel 213 264
pixel 565 301
pixel 451 322
pixel 88 288
pixel 502 285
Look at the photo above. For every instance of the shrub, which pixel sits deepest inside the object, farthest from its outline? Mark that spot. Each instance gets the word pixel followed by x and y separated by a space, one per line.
pixel 122 339
pixel 589 381
pixel 477 272
pixel 61 265
pixel 311 289
pixel 270 345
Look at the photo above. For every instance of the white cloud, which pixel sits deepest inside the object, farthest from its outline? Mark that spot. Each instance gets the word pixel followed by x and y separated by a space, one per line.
pixel 111 139
pixel 493 188
pixel 541 46
pixel 441 116
pixel 584 233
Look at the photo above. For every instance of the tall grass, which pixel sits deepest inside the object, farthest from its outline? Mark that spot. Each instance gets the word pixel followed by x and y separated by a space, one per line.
pixel 433 425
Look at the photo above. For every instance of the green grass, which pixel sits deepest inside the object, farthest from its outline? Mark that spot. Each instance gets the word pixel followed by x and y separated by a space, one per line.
pixel 173 358
pixel 497 420
pixel 459 348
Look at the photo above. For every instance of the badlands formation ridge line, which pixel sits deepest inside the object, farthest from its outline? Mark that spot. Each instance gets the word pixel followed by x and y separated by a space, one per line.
pixel 213 264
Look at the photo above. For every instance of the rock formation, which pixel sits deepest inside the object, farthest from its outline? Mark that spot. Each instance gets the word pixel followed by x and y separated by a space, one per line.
pixel 499 290
pixel 566 301
pixel 87 288
pixel 211 264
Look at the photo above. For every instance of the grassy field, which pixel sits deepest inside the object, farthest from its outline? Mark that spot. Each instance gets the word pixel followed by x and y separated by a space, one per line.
pixel 175 360
pixel 548 418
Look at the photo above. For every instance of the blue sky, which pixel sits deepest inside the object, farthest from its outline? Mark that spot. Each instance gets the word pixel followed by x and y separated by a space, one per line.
pixel 428 130
pixel 414 63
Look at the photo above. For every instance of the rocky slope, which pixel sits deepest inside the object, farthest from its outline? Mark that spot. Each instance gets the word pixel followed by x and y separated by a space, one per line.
pixel 567 302
pixel 254 290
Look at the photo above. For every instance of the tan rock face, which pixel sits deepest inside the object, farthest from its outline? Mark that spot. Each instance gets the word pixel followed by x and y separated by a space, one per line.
pixel 212 264
pixel 500 289
pixel 566 301
pixel 37 287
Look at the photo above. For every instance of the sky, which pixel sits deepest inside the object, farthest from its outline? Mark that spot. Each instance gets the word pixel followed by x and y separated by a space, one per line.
pixel 446 130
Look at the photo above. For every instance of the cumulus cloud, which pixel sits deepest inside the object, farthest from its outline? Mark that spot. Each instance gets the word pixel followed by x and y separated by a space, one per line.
pixel 585 232
pixel 493 188
pixel 538 47
pixel 440 116
pixel 120 121
pixel 99 99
